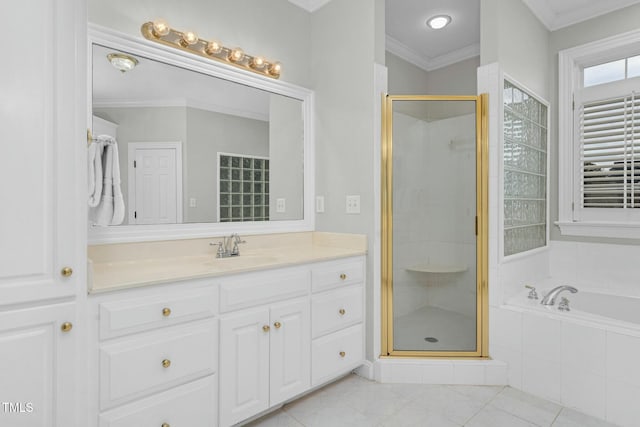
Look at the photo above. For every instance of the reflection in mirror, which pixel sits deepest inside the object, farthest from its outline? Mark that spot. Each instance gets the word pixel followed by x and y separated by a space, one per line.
pixel 194 148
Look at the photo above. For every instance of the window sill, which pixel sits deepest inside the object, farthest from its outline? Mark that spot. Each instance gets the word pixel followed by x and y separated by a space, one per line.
pixel 619 230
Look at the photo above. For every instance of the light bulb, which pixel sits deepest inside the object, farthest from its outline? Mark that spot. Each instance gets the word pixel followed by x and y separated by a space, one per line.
pixel 160 28
pixel 275 68
pixel 438 22
pixel 213 47
pixel 236 55
pixel 189 38
pixel 257 62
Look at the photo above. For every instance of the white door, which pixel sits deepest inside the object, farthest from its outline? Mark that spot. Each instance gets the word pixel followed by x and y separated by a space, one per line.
pixel 290 357
pixel 244 365
pixel 38 366
pixel 156 188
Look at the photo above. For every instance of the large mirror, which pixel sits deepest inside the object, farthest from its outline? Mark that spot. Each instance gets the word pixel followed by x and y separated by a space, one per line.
pixel 202 148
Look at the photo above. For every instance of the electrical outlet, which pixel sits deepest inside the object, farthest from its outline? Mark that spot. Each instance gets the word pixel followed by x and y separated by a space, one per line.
pixel 353 204
pixel 319 204
pixel 280 205
pixel 193 202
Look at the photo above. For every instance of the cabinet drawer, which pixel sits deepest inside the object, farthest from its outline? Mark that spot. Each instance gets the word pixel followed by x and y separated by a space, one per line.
pixel 260 288
pixel 192 404
pixel 336 354
pixel 337 273
pixel 119 318
pixel 145 364
pixel 334 310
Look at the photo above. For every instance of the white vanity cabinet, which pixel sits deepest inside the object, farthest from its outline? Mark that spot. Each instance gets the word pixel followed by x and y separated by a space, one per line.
pixel 155 357
pixel 265 350
pixel 285 331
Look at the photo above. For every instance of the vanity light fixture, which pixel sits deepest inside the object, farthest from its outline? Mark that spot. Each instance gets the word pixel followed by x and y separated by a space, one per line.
pixel 439 21
pixel 122 61
pixel 159 31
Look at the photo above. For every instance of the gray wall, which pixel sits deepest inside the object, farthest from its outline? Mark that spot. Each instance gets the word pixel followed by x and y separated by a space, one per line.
pixel 345 38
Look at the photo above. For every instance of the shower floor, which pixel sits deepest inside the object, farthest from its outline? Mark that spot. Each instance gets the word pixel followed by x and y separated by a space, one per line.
pixel 454 331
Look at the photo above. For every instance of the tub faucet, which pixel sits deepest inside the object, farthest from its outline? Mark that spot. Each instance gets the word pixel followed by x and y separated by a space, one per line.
pixel 550 298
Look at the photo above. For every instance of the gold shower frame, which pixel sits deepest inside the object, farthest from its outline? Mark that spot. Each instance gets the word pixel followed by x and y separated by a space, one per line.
pixel 481 227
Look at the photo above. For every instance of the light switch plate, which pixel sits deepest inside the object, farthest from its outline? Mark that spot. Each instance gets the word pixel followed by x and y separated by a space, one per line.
pixel 319 204
pixel 281 206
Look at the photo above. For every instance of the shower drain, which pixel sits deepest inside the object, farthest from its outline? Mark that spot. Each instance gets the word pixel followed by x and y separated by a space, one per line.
pixel 431 339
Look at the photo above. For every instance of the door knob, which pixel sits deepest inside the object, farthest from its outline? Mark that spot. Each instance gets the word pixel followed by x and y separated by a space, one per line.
pixel 66 327
pixel 277 325
pixel 66 271
pixel 266 328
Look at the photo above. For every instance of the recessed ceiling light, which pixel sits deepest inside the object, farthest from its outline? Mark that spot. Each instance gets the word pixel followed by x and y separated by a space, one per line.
pixel 122 62
pixel 439 21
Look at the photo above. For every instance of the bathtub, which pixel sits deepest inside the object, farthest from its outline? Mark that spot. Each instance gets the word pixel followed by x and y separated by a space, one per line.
pixel 585 359
pixel 587 305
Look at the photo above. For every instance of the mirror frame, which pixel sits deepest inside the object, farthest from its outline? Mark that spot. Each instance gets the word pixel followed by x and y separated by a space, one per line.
pixel 145 48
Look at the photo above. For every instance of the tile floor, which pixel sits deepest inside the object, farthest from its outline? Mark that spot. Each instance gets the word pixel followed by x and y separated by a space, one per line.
pixel 355 401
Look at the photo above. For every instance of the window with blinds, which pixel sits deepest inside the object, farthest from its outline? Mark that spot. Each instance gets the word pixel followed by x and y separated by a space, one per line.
pixel 610 152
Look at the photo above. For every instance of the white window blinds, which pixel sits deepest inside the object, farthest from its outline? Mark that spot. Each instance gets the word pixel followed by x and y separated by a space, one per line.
pixel 610 152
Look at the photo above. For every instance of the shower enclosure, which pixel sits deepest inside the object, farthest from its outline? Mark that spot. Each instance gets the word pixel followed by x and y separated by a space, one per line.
pixel 434 226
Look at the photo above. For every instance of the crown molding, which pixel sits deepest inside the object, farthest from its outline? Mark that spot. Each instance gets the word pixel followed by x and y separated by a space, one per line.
pixel 310 5
pixel 179 102
pixel 554 21
pixel 429 64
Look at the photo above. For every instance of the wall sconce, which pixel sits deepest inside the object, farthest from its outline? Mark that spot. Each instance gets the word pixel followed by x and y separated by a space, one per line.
pixel 160 32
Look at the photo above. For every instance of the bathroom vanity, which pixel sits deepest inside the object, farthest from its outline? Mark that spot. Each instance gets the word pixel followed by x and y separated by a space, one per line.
pixel 216 341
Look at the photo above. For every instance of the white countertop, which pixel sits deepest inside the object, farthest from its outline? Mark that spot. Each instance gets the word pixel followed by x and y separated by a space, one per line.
pixel 128 265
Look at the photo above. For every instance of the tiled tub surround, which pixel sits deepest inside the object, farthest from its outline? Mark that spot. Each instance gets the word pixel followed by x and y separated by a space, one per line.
pixel 125 265
pixel 586 361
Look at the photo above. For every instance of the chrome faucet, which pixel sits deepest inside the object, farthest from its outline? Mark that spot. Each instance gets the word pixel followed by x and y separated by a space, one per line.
pixel 550 298
pixel 228 247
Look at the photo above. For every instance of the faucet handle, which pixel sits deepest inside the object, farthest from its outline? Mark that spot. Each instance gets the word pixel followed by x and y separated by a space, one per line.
pixel 532 293
pixel 564 304
pixel 221 252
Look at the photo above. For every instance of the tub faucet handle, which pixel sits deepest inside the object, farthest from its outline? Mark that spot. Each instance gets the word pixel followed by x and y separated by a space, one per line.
pixel 564 304
pixel 532 293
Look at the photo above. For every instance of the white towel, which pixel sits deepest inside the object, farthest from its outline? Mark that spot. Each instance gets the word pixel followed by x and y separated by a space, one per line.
pixel 110 210
pixel 95 172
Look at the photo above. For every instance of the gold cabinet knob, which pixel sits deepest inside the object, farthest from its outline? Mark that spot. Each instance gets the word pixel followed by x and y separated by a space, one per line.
pixel 342 311
pixel 343 276
pixel 66 271
pixel 166 363
pixel 266 328
pixel 343 354
pixel 277 325
pixel 66 327
pixel 165 425
pixel 166 312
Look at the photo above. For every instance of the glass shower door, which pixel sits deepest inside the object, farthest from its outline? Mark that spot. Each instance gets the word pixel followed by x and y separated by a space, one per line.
pixel 434 198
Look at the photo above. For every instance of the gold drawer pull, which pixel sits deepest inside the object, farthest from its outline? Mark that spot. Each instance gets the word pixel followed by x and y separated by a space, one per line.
pixel 343 354
pixel 165 425
pixel 277 325
pixel 343 276
pixel 166 312
pixel 342 311
pixel 66 271
pixel 66 326
pixel 166 363
pixel 266 328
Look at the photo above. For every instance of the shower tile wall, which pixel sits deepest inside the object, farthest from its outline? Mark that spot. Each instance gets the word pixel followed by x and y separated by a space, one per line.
pixel 432 174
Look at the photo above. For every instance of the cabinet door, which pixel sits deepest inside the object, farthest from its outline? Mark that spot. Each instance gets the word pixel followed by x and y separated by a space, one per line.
pixel 41 167
pixel 244 365
pixel 290 355
pixel 37 371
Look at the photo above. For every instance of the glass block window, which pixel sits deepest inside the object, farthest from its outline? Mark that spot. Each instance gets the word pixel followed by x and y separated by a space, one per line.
pixel 525 171
pixel 243 188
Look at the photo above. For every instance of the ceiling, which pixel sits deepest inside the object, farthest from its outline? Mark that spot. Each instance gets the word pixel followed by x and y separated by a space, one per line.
pixel 410 39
